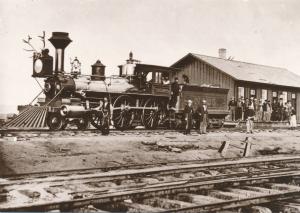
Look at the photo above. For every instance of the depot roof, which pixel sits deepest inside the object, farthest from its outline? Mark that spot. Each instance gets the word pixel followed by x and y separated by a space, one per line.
pixel 250 72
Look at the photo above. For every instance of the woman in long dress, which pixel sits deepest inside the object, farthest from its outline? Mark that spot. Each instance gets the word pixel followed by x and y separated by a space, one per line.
pixel 293 121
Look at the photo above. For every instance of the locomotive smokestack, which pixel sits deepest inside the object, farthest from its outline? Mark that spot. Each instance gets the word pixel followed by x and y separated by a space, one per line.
pixel 60 40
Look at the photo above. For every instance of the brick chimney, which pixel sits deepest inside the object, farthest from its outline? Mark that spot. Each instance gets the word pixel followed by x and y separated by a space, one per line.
pixel 222 53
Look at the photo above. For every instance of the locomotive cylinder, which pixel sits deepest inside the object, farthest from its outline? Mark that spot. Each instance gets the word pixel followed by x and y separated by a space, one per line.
pixel 72 111
pixel 60 40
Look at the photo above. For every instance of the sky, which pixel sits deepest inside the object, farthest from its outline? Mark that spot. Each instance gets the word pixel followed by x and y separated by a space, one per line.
pixel 156 31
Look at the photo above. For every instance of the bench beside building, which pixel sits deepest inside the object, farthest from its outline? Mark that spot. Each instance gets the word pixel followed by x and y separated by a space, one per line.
pixel 241 78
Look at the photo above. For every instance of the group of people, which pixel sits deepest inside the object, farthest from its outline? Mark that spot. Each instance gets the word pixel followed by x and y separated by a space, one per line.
pixel 202 113
pixel 259 110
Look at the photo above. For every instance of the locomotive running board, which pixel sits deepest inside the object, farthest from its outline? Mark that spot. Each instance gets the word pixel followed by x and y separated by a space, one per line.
pixel 33 117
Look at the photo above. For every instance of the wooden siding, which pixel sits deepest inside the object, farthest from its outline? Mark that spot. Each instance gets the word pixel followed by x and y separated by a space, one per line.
pixel 200 73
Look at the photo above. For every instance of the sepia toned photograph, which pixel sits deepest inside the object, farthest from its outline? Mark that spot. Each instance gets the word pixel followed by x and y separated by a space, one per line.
pixel 150 106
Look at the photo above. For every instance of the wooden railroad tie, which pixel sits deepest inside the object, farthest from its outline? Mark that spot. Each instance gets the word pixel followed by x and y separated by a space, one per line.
pixel 246 149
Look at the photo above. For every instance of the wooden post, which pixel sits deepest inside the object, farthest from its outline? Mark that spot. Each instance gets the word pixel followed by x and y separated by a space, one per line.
pixel 247 149
pixel 224 147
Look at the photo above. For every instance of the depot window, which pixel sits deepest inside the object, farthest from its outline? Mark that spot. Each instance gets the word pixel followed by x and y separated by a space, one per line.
pixel 241 92
pixel 274 94
pixel 252 93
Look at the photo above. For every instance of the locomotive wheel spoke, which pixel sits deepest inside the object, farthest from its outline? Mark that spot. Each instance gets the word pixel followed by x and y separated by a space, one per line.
pixel 96 119
pixel 150 117
pixel 121 118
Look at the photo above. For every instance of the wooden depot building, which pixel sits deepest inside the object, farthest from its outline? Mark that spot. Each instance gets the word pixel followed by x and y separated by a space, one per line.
pixel 241 78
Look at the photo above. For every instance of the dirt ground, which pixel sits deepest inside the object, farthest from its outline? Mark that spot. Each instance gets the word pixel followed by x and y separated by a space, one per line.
pixel 69 150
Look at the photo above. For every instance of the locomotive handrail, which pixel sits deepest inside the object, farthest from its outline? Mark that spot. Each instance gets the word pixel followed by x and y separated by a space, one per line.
pixel 129 107
pixel 87 75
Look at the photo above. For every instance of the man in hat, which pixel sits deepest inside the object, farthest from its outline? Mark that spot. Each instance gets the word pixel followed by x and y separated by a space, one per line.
pixel 188 116
pixel 105 108
pixel 267 111
pixel 250 116
pixel 275 110
pixel 281 110
pixel 259 109
pixel 239 109
pixel 175 89
pixel 203 115
pixel 232 107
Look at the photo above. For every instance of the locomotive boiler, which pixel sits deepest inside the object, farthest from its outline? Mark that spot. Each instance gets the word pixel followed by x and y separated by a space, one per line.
pixel 137 96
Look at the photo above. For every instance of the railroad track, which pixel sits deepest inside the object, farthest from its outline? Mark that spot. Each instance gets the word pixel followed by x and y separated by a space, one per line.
pixel 143 130
pixel 190 187
pixel 41 131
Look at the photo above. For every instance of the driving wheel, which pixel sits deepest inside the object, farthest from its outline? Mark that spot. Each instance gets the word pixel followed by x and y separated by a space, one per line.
pixel 122 114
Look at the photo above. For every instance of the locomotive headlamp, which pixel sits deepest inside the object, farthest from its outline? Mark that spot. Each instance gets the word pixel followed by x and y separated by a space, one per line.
pixel 42 64
pixel 38 66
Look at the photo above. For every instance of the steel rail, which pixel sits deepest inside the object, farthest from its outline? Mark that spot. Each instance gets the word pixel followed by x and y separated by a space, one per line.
pixel 156 190
pixel 180 166
pixel 83 179
pixel 167 168
pixel 237 203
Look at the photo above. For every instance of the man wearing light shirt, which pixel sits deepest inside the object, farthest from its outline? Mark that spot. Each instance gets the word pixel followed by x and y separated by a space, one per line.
pixel 203 114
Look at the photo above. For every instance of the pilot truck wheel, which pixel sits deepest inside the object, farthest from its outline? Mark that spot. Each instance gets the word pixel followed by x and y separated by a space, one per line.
pixel 55 121
pixel 82 124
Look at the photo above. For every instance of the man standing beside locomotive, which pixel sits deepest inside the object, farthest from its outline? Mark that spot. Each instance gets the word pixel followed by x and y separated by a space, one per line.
pixel 203 114
pixel 175 90
pixel 188 115
pixel 105 108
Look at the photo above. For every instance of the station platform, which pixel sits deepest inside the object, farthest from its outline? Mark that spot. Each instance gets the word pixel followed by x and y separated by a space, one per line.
pixel 259 124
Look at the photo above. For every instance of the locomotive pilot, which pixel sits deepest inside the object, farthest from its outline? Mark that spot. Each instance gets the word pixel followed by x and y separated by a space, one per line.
pixel 203 115
pixel 188 115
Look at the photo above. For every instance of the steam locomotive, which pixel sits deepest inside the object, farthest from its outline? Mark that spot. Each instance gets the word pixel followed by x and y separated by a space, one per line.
pixel 137 95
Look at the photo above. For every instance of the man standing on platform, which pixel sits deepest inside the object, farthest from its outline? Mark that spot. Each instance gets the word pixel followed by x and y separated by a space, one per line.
pixel 259 110
pixel 239 109
pixel 281 110
pixel 275 110
pixel 188 115
pixel 250 116
pixel 267 111
pixel 203 114
pixel 232 108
